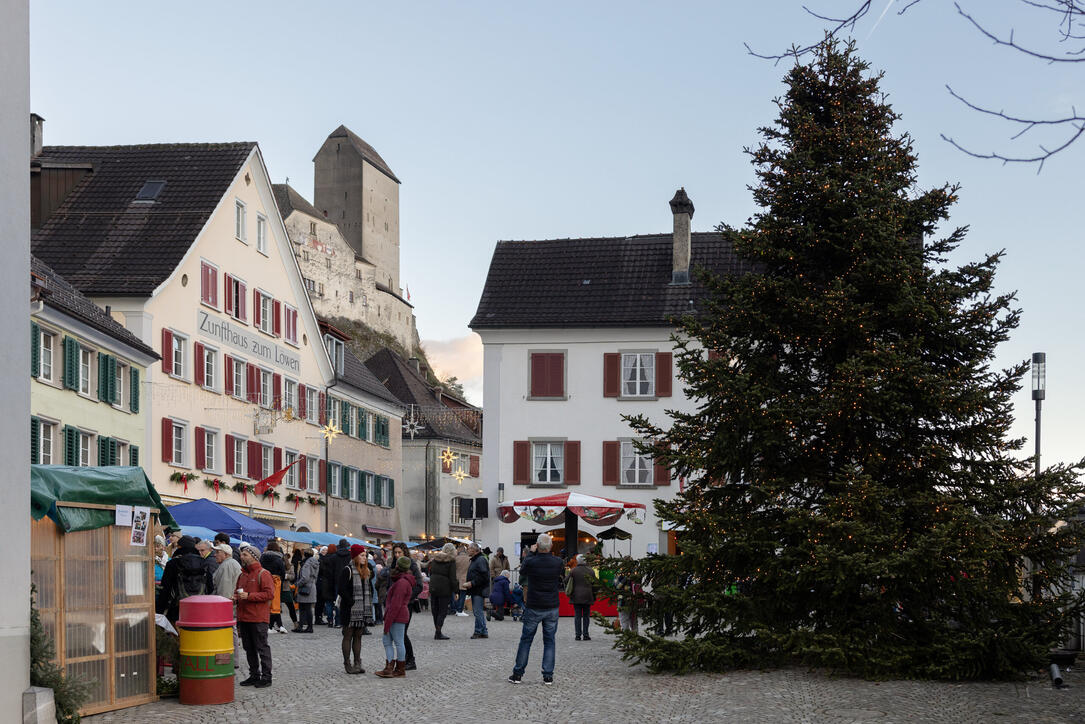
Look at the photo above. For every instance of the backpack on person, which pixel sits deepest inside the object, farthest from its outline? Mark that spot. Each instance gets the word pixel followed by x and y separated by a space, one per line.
pixel 191 576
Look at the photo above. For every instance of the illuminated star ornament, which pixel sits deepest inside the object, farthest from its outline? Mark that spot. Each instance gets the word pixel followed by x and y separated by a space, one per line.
pixel 459 475
pixel 447 456
pixel 413 427
pixel 330 431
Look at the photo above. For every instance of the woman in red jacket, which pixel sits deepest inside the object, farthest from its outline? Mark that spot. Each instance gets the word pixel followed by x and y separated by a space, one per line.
pixel 396 616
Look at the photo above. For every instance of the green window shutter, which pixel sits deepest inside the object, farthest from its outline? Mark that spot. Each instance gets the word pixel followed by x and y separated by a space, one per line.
pixel 35 439
pixel 363 481
pixel 363 424
pixel 35 349
pixel 114 449
pixel 344 486
pixel 103 450
pixel 391 493
pixel 71 363
pixel 133 454
pixel 111 384
pixel 385 439
pixel 377 491
pixel 71 445
pixel 103 382
pixel 133 394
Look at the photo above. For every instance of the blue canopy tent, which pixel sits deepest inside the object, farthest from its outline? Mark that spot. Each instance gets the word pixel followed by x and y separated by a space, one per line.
pixel 198 531
pixel 209 514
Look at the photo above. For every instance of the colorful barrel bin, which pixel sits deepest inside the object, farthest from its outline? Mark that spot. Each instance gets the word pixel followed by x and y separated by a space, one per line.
pixel 206 629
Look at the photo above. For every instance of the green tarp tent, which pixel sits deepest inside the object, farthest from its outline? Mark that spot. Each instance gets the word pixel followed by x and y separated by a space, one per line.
pixel 112 485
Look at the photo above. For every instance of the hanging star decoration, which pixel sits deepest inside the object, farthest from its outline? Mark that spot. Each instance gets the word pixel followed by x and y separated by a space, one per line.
pixel 330 431
pixel 413 427
pixel 459 475
pixel 447 456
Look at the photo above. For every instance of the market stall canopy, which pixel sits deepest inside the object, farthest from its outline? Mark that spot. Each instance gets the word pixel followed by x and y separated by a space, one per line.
pixel 614 534
pixel 54 486
pixel 198 531
pixel 326 539
pixel 210 514
pixel 551 509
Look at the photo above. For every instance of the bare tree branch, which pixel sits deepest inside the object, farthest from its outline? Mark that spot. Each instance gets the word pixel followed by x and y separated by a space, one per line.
pixel 1073 56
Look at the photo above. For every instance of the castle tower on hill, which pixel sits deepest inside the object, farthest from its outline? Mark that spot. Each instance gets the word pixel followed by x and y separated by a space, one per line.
pixel 356 190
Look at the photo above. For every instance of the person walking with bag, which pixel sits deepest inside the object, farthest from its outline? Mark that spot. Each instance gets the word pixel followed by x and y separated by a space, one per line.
pixel 396 617
pixel 307 591
pixel 442 584
pixel 580 587
pixel 356 594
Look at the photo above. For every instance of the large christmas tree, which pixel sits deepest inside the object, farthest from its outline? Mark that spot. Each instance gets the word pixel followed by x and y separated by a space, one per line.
pixel 853 497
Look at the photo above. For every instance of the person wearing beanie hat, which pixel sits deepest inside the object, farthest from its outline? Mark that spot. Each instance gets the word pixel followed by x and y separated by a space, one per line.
pixel 356 596
pixel 443 584
pixel 396 618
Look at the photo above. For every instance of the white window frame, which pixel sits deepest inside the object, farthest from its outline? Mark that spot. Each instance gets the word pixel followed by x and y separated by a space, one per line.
pixel 240 367
pixel 554 465
pixel 118 383
pixel 370 433
pixel 46 439
pixel 267 312
pixel 179 443
pixel 267 391
pixel 335 480
pixel 370 486
pixel 635 462
pixel 290 324
pixel 210 449
pixel 210 372
pixel 46 338
pixel 235 292
pixel 312 474
pixel 267 460
pixel 290 394
pixel 312 405
pixel 634 362
pixel 214 290
pixel 335 411
pixel 291 480
pixel 335 349
pixel 122 451
pixel 354 476
pixel 386 492
pixel 239 220
pixel 177 353
pixel 261 234
pixel 85 448
pixel 241 454
pixel 86 360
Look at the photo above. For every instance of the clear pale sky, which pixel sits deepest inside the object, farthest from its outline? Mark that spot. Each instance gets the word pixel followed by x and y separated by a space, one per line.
pixel 567 119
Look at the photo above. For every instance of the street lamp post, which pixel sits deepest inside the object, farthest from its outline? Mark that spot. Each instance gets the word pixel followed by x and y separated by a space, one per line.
pixel 1039 389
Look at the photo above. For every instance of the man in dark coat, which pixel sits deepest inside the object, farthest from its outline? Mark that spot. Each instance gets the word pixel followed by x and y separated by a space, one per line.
pixel 541 572
pixel 442 585
pixel 478 585
pixel 328 578
pixel 184 575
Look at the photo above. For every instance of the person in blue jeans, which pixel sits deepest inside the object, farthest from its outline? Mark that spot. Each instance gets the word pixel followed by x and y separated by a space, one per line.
pixel 478 585
pixel 541 574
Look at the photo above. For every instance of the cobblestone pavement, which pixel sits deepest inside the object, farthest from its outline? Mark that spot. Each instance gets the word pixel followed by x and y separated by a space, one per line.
pixel 465 679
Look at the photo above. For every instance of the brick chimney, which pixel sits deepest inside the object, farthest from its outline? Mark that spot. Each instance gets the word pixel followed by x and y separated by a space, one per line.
pixel 36 130
pixel 682 208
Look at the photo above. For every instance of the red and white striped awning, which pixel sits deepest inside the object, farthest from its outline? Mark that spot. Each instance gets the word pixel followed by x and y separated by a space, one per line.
pixel 551 509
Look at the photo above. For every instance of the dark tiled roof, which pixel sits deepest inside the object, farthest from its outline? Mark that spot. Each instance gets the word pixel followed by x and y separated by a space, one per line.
pixel 600 282
pixel 356 374
pixel 290 200
pixel 367 152
pixel 413 389
pixel 63 297
pixel 103 242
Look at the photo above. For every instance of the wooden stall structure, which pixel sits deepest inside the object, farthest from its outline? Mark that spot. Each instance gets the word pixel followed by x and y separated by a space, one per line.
pixel 95 592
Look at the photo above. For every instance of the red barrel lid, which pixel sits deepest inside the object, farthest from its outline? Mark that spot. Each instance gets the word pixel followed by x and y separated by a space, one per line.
pixel 205 612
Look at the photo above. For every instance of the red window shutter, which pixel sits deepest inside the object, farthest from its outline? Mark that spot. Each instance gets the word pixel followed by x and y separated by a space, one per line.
pixel 167 440
pixel 252 379
pixel 303 467
pixel 473 461
pixel 256 307
pixel 323 409
pixel 572 462
pixel 612 461
pixel 205 290
pixel 201 449
pixel 556 375
pixel 277 311
pixel 277 391
pixel 227 284
pixel 241 300
pixel 538 375
pixel 213 285
pixel 612 374
pixel 521 462
pixel 301 401
pixel 167 351
pixel 229 454
pixel 323 475
pixel 197 363
pixel 277 456
pixel 228 374
pixel 664 374
pixel 661 474
pixel 254 460
pixel 446 466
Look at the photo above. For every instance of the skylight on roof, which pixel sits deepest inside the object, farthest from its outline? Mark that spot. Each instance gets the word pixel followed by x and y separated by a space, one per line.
pixel 150 190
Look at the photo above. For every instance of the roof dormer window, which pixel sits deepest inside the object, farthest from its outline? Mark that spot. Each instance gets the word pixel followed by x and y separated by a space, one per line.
pixel 150 191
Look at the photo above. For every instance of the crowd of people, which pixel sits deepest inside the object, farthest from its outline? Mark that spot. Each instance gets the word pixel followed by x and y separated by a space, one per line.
pixel 355 589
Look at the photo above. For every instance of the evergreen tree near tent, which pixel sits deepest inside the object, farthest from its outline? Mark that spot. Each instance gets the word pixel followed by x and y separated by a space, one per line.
pixel 853 497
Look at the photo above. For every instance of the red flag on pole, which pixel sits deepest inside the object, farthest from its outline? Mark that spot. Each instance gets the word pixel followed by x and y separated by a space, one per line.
pixel 274 479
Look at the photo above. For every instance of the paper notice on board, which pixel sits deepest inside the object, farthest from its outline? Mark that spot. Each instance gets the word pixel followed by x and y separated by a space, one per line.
pixel 141 519
pixel 124 515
